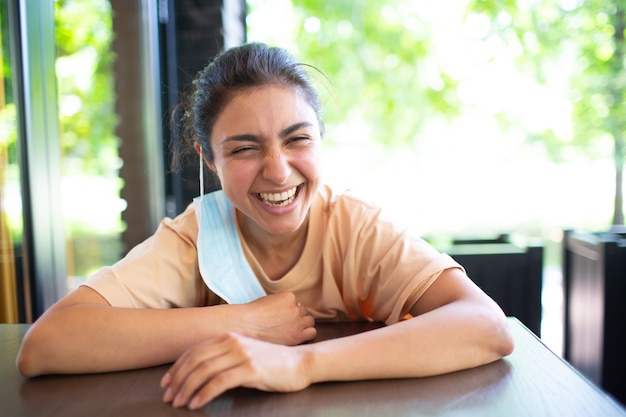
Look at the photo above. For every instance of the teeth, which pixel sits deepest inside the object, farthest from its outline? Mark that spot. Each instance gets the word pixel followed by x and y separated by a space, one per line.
pixel 279 199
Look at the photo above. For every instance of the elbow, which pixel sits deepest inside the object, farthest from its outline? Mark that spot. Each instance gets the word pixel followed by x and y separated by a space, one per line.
pixel 26 365
pixel 503 344
pixel 27 362
pixel 506 345
pixel 492 334
pixel 31 360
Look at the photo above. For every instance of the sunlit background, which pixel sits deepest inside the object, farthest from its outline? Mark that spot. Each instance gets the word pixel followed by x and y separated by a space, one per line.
pixel 458 174
pixel 463 118
pixel 500 153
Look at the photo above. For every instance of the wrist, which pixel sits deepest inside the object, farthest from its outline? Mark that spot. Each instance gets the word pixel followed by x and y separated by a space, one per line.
pixel 230 318
pixel 312 366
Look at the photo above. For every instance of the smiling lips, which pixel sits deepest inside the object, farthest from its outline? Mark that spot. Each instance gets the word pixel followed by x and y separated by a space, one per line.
pixel 279 199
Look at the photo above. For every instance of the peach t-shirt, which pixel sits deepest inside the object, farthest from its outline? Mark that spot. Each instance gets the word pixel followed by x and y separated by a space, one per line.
pixel 356 265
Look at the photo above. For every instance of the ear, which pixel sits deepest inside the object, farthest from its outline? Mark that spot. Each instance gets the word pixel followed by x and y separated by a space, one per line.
pixel 209 164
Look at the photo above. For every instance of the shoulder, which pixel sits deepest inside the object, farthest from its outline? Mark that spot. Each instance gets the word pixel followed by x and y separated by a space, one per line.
pixel 184 225
pixel 346 203
pixel 359 207
pixel 353 215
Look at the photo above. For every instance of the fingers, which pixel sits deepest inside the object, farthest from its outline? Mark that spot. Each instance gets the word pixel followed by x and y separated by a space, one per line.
pixel 304 327
pixel 212 367
pixel 202 368
pixel 308 322
pixel 278 318
pixel 308 325
pixel 208 369
pixel 222 382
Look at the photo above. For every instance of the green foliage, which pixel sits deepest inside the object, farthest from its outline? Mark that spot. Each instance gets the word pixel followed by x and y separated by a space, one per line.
pixel 86 94
pixel 382 58
pixel 90 161
pixel 590 34
pixel 6 67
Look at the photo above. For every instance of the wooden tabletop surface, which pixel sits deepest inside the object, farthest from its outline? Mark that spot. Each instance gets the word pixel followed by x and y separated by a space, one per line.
pixel 532 381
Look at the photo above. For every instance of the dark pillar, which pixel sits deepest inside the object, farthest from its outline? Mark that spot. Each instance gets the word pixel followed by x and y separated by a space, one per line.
pixel 192 33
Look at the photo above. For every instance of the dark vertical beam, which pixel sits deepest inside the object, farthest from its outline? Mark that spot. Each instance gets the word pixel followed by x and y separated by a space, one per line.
pixel 192 33
pixel 126 46
pixel 138 108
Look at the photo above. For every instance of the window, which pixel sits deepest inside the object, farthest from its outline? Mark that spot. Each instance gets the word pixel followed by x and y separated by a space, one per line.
pixel 62 169
pixel 11 219
pixel 90 163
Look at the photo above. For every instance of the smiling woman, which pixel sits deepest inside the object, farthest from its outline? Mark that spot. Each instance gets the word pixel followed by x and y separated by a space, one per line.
pixel 279 154
pixel 253 266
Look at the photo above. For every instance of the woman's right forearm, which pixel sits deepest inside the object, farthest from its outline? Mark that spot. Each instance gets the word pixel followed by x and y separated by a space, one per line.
pixel 94 337
pixel 83 333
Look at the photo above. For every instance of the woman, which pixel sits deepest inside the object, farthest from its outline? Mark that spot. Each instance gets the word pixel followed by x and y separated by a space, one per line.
pixel 250 268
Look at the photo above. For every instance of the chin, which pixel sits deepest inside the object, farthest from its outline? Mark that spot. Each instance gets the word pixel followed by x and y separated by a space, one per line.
pixel 283 229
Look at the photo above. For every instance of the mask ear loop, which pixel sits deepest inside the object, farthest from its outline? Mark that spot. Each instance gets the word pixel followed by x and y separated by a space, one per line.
pixel 201 178
pixel 201 174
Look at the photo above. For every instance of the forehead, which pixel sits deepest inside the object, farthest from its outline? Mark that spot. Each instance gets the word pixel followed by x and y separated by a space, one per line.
pixel 264 105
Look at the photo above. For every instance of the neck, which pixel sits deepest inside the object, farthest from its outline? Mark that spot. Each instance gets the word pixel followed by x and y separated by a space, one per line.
pixel 276 254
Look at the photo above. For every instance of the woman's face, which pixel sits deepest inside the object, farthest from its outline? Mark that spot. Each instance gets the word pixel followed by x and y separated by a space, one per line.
pixel 266 144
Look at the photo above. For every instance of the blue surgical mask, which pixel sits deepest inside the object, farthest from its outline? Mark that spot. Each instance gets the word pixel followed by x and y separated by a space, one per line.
pixel 223 265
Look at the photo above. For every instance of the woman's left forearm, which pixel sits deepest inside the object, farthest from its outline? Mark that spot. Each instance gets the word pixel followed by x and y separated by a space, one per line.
pixel 459 335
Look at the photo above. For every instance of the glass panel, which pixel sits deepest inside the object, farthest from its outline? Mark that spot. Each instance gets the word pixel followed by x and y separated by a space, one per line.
pixel 11 221
pixel 90 161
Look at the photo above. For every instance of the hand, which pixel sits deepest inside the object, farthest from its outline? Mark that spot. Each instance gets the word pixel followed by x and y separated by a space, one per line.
pixel 278 318
pixel 209 368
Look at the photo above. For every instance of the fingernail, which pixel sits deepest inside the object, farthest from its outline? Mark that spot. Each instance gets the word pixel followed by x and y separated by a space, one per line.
pixel 167 396
pixel 178 401
pixel 194 404
pixel 165 381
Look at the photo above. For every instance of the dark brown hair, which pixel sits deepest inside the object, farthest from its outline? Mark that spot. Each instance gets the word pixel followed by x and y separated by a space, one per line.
pixel 235 70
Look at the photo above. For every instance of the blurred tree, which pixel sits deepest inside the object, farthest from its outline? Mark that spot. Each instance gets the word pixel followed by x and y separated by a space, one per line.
pixel 86 95
pixel 381 55
pixel 590 35
pixel 90 160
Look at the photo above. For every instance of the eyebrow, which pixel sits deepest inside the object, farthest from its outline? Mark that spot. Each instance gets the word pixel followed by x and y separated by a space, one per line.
pixel 248 137
pixel 289 130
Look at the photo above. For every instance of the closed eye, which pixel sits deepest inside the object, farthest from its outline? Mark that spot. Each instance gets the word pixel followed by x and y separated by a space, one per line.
pixel 242 149
pixel 298 139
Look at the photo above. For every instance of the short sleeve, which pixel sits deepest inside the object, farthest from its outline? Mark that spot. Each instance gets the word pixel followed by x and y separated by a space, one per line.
pixel 161 272
pixel 386 269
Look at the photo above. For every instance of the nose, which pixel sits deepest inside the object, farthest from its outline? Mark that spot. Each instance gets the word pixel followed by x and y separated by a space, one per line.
pixel 277 168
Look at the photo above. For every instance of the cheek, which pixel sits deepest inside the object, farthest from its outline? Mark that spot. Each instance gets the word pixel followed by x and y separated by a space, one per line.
pixel 217 170
pixel 238 174
pixel 311 163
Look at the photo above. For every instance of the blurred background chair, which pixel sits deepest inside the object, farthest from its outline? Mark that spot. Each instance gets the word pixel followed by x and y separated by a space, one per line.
pixel 594 281
pixel 511 274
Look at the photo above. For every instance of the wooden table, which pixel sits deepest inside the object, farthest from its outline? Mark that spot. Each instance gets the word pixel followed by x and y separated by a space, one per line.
pixel 531 382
